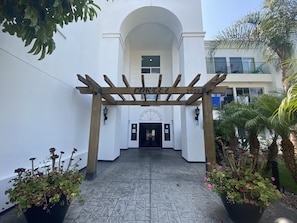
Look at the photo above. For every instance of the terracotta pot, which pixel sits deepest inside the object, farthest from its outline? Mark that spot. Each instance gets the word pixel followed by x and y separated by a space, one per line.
pixel 242 213
pixel 56 213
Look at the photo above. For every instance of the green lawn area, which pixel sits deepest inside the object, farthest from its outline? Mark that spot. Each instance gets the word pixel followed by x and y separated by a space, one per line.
pixel 286 179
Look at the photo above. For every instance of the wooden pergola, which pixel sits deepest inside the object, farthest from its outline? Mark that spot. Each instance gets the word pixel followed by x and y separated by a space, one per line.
pixel 113 95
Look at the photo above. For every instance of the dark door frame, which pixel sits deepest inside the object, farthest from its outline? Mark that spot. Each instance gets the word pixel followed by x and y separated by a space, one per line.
pixel 147 140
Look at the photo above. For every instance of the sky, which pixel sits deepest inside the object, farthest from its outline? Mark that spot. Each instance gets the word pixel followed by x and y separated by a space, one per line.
pixel 219 14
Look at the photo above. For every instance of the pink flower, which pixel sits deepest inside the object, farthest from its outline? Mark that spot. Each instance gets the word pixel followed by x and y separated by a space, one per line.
pixel 205 178
pixel 220 167
pixel 209 186
pixel 208 163
pixel 273 179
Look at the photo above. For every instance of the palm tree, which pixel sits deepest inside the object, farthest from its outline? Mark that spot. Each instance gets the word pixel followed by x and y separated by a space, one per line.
pixel 256 117
pixel 288 107
pixel 247 120
pixel 270 29
pixel 287 116
pixel 267 104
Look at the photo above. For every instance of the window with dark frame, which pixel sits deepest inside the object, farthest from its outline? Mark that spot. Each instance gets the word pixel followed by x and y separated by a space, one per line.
pixel 150 64
pixel 236 65
pixel 246 95
pixel 220 65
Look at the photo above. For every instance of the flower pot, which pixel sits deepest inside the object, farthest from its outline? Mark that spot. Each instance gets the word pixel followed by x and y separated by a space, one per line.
pixel 242 213
pixel 55 214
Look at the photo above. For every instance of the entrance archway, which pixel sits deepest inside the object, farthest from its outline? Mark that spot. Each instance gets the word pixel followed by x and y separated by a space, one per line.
pixel 151 15
pixel 204 92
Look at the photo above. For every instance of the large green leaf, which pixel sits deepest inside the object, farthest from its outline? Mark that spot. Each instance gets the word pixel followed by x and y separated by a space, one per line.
pixel 36 21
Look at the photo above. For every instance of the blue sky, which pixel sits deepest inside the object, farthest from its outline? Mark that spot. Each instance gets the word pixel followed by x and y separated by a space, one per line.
pixel 219 14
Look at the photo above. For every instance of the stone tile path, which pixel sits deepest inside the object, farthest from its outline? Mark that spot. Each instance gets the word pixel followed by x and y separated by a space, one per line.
pixel 151 186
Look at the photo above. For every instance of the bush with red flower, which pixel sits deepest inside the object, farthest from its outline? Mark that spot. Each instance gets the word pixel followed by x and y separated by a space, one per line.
pixel 240 178
pixel 44 186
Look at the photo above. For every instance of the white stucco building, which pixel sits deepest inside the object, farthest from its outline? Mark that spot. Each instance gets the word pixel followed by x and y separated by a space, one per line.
pixel 40 107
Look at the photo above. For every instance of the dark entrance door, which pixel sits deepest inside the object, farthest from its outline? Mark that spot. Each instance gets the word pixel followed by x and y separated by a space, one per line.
pixel 150 135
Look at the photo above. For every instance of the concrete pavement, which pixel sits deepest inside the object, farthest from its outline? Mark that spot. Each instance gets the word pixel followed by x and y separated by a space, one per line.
pixel 151 186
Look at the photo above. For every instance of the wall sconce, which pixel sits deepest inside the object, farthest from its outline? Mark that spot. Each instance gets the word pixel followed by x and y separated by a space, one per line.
pixel 105 111
pixel 197 113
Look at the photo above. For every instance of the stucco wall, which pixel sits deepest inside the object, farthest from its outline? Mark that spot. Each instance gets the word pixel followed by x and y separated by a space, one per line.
pixel 40 107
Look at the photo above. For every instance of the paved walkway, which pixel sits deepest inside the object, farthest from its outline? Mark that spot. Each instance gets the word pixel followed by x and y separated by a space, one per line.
pixel 151 186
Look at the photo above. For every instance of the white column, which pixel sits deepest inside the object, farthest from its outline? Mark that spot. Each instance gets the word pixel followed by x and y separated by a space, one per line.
pixel 192 62
pixel 111 64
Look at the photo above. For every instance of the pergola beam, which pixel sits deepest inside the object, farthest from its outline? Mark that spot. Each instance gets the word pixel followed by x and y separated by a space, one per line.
pixel 212 83
pixel 151 103
pixel 193 82
pixel 143 85
pixel 108 81
pixel 159 85
pixel 127 85
pixel 151 90
pixel 109 99
pixel 174 85
pixel 208 87
pixel 92 84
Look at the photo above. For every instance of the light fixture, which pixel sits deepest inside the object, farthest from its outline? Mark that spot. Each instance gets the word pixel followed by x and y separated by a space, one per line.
pixel 197 113
pixel 105 111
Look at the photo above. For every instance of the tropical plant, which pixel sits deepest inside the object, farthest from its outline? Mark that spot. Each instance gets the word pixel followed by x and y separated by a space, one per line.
pixel 241 179
pixel 266 105
pixel 37 21
pixel 288 107
pixel 248 122
pixel 270 29
pixel 256 117
pixel 286 114
pixel 43 187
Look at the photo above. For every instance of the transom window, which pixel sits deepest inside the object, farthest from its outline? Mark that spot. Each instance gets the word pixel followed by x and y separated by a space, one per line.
pixel 150 64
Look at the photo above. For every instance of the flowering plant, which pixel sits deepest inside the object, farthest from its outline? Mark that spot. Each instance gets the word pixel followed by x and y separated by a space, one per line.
pixel 240 179
pixel 44 188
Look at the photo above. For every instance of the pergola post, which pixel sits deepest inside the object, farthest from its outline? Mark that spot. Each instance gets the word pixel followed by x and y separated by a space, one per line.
pixel 209 137
pixel 94 137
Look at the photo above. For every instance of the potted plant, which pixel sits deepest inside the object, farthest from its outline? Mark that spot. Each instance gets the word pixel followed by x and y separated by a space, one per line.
pixel 239 181
pixel 44 194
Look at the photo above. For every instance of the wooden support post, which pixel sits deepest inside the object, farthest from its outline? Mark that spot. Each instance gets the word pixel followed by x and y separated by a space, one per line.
pixel 94 137
pixel 209 137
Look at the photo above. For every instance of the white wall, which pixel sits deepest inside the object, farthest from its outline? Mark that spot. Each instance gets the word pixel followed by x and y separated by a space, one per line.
pixel 40 107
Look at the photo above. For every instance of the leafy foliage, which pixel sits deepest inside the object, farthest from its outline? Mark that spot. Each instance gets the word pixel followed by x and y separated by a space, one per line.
pixel 288 108
pixel 263 114
pixel 241 179
pixel 45 188
pixel 36 21
pixel 248 121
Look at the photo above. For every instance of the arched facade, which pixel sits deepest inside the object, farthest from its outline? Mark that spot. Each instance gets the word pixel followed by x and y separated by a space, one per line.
pixel 163 30
pixel 40 107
